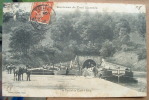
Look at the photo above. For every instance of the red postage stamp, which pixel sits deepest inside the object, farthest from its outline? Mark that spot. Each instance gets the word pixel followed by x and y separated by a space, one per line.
pixel 41 12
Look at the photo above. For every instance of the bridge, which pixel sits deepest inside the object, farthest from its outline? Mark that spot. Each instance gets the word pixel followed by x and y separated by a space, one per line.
pixel 88 61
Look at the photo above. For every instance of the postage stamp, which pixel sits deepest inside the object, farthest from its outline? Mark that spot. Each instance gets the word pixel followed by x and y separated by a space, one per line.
pixel 41 12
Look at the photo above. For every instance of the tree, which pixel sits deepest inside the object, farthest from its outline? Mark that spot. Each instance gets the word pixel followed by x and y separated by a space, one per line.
pixel 142 25
pixel 122 27
pixel 107 49
pixel 22 16
pixel 23 40
pixel 7 16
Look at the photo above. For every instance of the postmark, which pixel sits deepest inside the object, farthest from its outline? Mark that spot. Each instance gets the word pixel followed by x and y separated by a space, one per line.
pixel 41 14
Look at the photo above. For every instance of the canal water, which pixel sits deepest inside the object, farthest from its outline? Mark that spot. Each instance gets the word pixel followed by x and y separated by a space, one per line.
pixel 141 86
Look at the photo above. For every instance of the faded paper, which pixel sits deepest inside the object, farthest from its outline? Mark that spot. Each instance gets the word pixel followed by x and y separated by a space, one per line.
pixel 86 50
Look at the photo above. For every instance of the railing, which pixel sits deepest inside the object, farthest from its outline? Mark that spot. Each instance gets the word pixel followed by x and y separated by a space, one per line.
pixel 42 72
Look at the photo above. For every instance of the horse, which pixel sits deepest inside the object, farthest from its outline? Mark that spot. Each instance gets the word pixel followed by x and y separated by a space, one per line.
pixel 9 69
pixel 18 74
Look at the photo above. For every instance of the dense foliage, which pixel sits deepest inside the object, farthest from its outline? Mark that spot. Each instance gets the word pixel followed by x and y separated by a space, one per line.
pixel 73 33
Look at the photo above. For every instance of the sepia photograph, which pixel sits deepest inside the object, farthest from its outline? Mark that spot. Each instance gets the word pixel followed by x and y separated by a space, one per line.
pixel 70 49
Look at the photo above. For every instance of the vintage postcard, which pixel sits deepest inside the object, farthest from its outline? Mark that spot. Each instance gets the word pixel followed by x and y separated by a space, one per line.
pixel 70 49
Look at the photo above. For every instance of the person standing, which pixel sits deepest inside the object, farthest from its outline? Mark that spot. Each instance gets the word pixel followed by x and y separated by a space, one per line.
pixel 8 69
pixel 95 71
pixel 14 68
pixel 28 73
pixel 19 74
pixel 67 71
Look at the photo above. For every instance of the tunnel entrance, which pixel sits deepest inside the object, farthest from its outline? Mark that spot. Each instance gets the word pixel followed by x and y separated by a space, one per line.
pixel 89 63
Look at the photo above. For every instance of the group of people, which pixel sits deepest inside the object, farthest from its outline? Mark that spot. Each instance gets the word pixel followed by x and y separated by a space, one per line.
pixel 92 71
pixel 18 72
